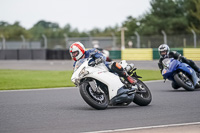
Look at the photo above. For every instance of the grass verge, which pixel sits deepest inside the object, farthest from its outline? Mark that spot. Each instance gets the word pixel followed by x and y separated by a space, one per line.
pixel 31 79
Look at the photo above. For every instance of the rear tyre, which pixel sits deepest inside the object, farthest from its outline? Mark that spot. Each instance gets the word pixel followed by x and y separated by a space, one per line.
pixel 96 100
pixel 184 81
pixel 143 95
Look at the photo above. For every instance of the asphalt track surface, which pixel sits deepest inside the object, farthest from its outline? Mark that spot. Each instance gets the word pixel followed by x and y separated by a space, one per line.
pixel 65 64
pixel 62 110
pixel 62 64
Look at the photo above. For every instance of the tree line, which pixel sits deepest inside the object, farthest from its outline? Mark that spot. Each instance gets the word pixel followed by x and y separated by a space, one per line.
pixel 171 16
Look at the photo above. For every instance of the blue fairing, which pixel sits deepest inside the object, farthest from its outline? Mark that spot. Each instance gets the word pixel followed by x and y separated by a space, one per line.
pixel 175 65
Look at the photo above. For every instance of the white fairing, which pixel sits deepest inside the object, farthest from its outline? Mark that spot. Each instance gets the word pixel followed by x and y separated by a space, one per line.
pixel 101 73
pixel 111 80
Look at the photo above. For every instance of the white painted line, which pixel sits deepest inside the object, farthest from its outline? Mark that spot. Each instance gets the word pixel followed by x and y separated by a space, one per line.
pixel 149 127
pixel 43 89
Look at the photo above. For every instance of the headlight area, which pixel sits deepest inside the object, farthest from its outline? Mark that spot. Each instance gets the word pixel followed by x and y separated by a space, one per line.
pixel 73 80
pixel 76 81
pixel 83 73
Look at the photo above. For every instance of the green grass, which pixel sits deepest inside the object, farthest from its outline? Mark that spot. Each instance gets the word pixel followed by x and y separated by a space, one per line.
pixel 30 79
pixel 149 74
pixel 26 79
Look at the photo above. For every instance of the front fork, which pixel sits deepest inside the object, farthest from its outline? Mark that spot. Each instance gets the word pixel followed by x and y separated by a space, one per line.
pixel 95 88
pixel 194 77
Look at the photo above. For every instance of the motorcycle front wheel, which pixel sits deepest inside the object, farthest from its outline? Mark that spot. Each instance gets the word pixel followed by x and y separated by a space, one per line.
pixel 143 95
pixel 94 99
pixel 184 81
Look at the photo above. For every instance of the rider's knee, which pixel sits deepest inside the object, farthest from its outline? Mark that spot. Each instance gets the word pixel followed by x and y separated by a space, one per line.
pixel 116 67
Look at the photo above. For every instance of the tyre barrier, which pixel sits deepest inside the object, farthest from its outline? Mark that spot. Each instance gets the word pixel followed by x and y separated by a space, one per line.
pixel 34 54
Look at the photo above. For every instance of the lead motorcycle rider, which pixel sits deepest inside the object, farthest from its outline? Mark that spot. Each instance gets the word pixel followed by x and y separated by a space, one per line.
pixel 77 52
pixel 164 52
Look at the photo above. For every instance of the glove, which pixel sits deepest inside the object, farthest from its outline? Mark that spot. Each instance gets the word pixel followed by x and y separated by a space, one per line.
pixel 99 60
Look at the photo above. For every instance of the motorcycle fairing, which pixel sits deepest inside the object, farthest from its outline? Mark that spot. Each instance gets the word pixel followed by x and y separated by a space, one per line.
pixel 174 66
pixel 123 96
pixel 112 81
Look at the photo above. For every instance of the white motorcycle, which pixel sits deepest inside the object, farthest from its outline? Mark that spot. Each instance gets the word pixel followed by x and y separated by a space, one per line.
pixel 101 88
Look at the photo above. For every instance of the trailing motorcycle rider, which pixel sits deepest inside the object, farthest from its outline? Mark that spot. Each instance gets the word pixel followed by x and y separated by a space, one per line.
pixel 77 52
pixel 164 52
pixel 104 52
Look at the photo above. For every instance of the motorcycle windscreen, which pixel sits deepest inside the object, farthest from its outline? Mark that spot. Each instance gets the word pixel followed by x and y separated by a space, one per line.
pixel 172 67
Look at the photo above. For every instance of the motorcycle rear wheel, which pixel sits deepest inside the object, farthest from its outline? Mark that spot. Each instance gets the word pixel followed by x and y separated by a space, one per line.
pixel 95 100
pixel 184 82
pixel 143 95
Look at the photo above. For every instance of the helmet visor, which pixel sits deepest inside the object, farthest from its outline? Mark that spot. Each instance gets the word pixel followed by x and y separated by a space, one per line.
pixel 75 53
pixel 163 53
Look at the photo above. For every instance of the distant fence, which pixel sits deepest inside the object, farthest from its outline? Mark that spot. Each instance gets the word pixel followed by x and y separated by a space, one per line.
pixel 89 42
pixel 21 45
pixel 60 43
pixel 126 54
pixel 109 43
pixel 143 49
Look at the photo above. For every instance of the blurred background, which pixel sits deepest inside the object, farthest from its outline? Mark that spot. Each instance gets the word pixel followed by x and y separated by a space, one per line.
pixel 145 24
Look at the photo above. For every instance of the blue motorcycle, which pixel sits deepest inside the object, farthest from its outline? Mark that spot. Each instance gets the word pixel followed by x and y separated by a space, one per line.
pixel 181 74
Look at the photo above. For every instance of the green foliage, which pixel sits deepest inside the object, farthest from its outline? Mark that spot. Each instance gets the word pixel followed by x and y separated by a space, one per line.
pixel 132 24
pixel 164 15
pixel 13 31
pixel 195 15
pixel 172 16
pixel 108 31
pixel 51 30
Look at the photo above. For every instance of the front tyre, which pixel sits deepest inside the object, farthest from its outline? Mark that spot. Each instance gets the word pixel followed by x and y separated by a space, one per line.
pixel 143 95
pixel 184 81
pixel 96 100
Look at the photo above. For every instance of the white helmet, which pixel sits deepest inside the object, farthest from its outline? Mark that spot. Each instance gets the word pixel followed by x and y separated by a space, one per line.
pixel 163 50
pixel 77 50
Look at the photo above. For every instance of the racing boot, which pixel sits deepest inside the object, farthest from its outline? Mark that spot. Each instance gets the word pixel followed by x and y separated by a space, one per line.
pixel 195 67
pixel 130 80
pixel 198 81
pixel 116 67
pixel 198 73
pixel 198 76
